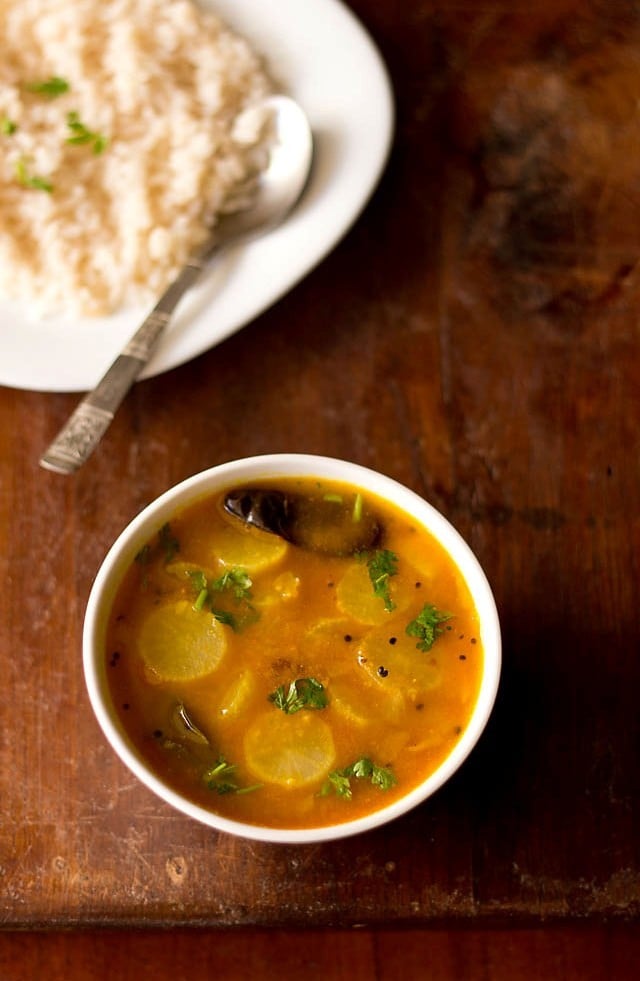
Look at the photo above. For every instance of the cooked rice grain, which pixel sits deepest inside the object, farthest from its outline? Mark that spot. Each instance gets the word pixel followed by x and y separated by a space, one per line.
pixel 163 81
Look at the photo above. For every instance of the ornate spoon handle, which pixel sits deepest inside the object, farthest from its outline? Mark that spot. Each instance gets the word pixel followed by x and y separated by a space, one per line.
pixel 87 424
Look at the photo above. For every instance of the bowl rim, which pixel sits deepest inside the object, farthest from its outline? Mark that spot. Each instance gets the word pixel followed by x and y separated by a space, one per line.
pixel 267 466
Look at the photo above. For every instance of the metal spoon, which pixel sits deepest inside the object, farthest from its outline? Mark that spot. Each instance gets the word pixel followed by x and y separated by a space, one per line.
pixel 333 525
pixel 278 189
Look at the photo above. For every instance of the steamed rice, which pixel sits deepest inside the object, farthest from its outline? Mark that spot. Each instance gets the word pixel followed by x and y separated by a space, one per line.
pixel 161 81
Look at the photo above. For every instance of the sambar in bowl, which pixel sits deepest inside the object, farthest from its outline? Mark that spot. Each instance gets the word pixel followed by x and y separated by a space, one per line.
pixel 291 648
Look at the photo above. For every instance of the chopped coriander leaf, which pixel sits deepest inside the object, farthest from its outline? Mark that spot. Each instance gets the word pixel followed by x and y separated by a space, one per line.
pixel 50 87
pixel 363 769
pixel 217 778
pixel 382 777
pixel 382 565
pixel 198 581
pixel 81 134
pixel 301 693
pixel 168 542
pixel 31 181
pixel 340 783
pixel 236 580
pixel 7 126
pixel 426 626
pixel 201 599
pixel 233 580
pixel 223 616
pixel 143 555
pixel 100 144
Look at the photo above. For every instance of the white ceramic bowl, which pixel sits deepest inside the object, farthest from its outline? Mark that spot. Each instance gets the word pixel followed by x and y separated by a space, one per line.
pixel 253 469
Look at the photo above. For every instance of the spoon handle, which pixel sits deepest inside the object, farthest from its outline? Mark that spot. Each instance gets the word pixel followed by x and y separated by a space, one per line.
pixel 87 424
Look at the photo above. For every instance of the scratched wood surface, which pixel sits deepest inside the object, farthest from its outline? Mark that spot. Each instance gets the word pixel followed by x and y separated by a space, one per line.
pixel 474 336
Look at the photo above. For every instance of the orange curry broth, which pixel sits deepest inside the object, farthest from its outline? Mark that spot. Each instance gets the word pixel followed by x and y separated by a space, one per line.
pixel 389 702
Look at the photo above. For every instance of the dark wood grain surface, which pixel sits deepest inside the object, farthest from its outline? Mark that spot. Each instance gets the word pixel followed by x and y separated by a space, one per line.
pixel 475 337
pixel 568 953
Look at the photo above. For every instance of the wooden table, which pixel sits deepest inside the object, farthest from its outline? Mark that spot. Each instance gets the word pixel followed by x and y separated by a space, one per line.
pixel 475 337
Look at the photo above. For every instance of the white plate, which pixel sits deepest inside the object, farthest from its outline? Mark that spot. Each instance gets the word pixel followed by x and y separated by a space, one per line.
pixel 322 56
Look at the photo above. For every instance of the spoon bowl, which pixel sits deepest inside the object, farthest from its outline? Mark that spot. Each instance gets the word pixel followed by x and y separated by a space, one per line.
pixel 272 195
pixel 279 185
